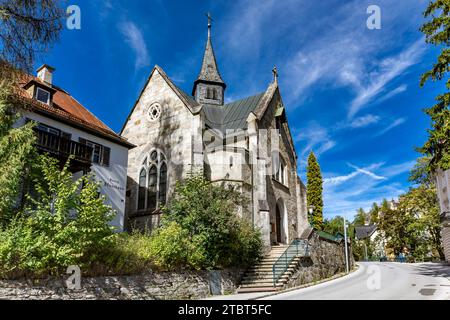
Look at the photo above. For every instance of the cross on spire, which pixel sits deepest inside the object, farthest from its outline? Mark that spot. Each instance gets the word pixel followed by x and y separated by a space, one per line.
pixel 210 19
pixel 275 74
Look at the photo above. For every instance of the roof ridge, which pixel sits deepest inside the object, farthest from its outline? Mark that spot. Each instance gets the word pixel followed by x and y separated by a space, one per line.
pixel 245 98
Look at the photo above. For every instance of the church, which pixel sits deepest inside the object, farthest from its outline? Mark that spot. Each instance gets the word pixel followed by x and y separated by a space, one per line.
pixel 246 144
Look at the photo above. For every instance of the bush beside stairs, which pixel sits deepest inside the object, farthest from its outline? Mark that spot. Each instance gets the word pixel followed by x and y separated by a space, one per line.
pixel 259 278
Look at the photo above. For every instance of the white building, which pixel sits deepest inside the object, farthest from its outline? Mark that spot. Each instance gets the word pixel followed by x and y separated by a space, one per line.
pixel 67 128
pixel 443 187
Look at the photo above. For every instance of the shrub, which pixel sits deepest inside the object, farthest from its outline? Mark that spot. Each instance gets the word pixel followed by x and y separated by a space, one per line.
pixel 128 254
pixel 201 230
pixel 66 224
pixel 170 246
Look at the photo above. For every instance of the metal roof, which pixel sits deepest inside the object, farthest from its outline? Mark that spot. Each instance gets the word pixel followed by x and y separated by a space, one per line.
pixel 231 116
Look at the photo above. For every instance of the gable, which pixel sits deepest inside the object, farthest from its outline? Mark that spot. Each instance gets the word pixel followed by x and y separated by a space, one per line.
pixel 159 87
pixel 270 106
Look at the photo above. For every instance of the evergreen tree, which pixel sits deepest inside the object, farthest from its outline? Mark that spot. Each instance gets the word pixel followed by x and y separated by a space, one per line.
pixel 360 218
pixel 314 192
pixel 437 33
pixel 374 213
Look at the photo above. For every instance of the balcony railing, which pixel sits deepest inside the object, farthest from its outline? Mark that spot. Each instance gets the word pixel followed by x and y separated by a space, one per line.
pixel 63 147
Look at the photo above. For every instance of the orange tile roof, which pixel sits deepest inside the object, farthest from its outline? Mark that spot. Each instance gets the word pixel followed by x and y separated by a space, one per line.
pixel 67 108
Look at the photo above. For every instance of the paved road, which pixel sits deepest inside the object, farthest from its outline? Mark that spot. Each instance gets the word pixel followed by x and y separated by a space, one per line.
pixel 386 281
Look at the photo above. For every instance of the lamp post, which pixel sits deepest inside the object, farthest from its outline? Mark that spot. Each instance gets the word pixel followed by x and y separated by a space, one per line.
pixel 345 244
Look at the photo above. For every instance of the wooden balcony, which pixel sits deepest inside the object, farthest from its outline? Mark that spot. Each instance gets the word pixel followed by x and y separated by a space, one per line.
pixel 62 148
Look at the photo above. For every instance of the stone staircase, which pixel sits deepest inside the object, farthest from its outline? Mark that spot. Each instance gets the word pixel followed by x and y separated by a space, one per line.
pixel 259 278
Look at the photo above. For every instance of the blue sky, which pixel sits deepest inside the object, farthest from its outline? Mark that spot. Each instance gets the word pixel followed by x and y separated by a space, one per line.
pixel 351 93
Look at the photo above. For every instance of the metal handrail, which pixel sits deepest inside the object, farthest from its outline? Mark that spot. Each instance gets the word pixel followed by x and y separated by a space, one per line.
pixel 297 248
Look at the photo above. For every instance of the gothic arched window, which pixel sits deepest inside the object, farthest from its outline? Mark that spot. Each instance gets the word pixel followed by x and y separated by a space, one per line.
pixel 152 187
pixel 152 191
pixel 279 169
pixel 162 184
pixel 142 188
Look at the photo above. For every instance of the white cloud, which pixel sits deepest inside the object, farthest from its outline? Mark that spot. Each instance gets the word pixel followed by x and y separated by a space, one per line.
pixel 317 139
pixel 367 172
pixel 397 169
pixel 344 194
pixel 134 38
pixel 389 69
pixel 393 125
pixel 364 121
pixel 393 93
pixel 358 171
pixel 340 179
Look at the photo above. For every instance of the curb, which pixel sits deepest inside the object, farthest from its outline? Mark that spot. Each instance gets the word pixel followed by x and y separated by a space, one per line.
pixel 307 285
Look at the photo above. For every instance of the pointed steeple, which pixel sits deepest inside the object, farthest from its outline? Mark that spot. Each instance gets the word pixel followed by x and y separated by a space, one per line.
pixel 209 87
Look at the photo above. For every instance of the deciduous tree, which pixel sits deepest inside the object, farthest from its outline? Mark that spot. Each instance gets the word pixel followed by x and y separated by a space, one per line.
pixel 437 32
pixel 27 29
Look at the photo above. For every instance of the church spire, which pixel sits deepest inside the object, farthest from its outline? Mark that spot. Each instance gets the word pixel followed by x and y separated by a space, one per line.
pixel 209 87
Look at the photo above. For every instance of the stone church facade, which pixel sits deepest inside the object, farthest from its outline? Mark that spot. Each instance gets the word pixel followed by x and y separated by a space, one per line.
pixel 245 143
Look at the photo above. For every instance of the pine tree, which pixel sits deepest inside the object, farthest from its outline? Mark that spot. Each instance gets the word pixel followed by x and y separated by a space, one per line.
pixel 437 33
pixel 314 192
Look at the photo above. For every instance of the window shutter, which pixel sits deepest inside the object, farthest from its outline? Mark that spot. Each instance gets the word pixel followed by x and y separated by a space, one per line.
pixel 106 156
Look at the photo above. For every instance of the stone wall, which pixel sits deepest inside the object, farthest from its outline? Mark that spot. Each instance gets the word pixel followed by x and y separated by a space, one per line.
pixel 152 286
pixel 327 259
pixel 446 242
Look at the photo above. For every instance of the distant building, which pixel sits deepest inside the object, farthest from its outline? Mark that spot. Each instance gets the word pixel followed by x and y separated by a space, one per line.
pixel 443 187
pixel 369 234
pixel 66 128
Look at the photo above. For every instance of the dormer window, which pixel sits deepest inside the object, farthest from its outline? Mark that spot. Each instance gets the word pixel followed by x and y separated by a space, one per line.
pixel 42 95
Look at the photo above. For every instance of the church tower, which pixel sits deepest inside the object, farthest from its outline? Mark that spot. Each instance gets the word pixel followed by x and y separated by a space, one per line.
pixel 209 88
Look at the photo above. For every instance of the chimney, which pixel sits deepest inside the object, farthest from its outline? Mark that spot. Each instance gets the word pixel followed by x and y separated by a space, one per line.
pixel 45 74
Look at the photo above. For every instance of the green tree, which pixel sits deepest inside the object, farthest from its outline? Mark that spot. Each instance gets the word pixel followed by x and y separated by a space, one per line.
pixel 334 225
pixel 314 192
pixel 374 214
pixel 421 204
pixel 360 218
pixel 420 174
pixel 394 224
pixel 437 32
pixel 27 28
pixel 16 154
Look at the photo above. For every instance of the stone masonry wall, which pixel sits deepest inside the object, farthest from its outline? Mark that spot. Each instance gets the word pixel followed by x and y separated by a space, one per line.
pixel 152 286
pixel 327 259
pixel 446 242
pixel 276 192
pixel 171 134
